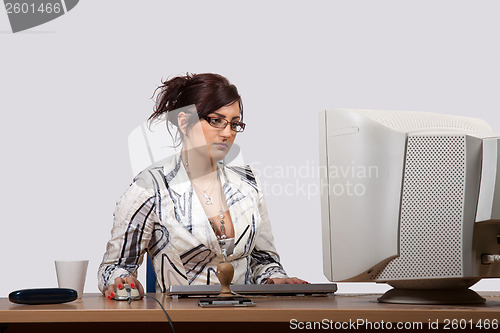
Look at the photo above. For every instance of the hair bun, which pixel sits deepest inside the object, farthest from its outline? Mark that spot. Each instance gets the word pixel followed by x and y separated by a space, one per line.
pixel 175 87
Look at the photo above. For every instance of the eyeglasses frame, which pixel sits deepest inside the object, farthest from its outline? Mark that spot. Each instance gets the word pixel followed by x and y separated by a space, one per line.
pixel 242 124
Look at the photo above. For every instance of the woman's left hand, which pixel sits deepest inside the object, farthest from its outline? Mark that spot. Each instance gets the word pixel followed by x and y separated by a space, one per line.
pixel 292 280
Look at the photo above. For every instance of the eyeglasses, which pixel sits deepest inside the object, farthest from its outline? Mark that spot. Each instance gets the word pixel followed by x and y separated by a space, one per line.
pixel 221 123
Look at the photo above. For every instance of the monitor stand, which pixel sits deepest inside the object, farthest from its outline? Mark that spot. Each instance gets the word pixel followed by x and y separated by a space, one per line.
pixel 431 296
pixel 432 291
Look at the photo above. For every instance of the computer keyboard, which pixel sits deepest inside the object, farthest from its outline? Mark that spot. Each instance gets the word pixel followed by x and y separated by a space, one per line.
pixel 255 289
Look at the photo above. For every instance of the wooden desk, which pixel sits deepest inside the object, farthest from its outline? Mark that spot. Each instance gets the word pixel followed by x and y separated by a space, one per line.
pixel 94 308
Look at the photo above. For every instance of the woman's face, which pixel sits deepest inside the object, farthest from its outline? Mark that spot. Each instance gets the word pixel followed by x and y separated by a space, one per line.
pixel 216 141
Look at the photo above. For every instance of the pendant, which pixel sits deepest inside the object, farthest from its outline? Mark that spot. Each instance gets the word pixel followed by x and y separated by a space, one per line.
pixel 208 200
pixel 214 228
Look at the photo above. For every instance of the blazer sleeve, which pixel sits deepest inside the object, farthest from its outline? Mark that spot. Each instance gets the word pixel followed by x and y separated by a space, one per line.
pixel 134 218
pixel 264 259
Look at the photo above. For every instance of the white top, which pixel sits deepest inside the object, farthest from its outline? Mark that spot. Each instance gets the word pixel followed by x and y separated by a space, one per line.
pixel 227 246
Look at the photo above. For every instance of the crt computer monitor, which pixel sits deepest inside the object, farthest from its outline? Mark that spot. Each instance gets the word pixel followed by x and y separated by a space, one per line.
pixel 410 199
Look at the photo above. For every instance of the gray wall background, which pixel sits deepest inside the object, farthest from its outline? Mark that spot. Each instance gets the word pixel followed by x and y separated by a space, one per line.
pixel 73 89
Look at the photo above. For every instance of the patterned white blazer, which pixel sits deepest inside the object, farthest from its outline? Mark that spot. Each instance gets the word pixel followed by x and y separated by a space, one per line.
pixel 162 215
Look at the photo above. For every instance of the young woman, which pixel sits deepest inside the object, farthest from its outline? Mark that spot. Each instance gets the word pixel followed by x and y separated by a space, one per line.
pixel 193 211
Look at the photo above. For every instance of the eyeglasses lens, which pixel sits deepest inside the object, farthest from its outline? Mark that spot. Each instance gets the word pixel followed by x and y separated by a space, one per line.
pixel 222 123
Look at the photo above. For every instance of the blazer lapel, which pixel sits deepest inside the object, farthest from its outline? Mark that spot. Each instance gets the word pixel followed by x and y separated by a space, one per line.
pixel 242 203
pixel 188 209
pixel 241 197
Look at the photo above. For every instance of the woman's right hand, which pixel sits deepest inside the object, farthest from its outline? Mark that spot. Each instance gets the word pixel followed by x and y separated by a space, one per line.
pixel 110 292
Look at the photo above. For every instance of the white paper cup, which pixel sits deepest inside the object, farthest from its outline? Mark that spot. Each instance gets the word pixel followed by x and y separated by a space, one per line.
pixel 71 274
